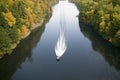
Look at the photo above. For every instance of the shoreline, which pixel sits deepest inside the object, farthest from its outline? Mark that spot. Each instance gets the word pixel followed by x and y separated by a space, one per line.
pixel 38 25
pixel 33 28
pixel 27 34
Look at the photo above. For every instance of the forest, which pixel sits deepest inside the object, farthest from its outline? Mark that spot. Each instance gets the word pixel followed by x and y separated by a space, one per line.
pixel 103 16
pixel 18 18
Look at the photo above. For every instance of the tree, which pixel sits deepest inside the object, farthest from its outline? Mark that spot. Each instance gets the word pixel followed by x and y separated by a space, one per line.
pixel 10 19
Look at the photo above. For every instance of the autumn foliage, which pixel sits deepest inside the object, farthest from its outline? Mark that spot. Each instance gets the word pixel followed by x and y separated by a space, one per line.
pixel 17 18
pixel 9 18
pixel 104 16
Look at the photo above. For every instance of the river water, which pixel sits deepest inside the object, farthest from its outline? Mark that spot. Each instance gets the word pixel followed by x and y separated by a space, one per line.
pixel 62 50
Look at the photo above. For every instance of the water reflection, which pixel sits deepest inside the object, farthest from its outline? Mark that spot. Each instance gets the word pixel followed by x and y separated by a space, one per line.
pixel 88 65
pixel 61 45
pixel 10 64
pixel 109 52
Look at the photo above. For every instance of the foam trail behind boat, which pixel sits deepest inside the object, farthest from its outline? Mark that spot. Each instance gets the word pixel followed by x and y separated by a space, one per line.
pixel 61 45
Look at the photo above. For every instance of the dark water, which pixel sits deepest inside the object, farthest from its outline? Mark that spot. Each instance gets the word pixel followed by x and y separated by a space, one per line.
pixel 82 54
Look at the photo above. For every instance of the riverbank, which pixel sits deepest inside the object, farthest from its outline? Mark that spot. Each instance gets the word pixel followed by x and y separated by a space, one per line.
pixel 103 16
pixel 19 19
pixel 27 34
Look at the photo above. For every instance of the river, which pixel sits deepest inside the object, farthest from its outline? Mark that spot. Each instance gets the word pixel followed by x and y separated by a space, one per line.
pixel 62 49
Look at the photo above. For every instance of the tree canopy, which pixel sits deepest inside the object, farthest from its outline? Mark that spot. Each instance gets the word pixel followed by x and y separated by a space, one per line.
pixel 104 16
pixel 17 18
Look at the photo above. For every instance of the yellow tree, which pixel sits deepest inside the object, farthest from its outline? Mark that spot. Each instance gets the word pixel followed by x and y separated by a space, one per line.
pixel 9 18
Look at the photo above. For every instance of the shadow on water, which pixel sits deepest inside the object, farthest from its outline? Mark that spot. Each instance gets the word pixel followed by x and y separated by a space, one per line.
pixel 107 50
pixel 10 63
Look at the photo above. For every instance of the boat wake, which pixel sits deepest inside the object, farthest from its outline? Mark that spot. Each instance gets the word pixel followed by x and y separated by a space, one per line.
pixel 61 45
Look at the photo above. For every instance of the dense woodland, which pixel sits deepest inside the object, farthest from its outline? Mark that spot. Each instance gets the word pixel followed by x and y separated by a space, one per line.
pixel 18 18
pixel 103 15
